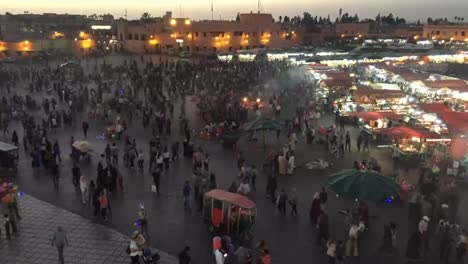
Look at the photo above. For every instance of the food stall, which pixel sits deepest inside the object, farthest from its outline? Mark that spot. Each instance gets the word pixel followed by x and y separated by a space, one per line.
pixel 412 142
pixel 438 90
pixel 375 120
pixel 380 96
pixel 428 116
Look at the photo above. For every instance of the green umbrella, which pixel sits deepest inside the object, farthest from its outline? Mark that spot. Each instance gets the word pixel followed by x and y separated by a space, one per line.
pixel 262 124
pixel 363 185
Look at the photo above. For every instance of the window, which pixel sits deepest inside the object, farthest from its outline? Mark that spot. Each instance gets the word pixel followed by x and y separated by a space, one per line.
pixel 143 37
pixel 263 33
pixel 136 36
pixel 241 47
pixel 222 34
pixel 456 33
pixel 130 36
pixel 254 34
pixel 204 34
pixel 121 36
pixel 196 34
pixel 187 33
pixel 197 48
pixel 463 33
pixel 437 32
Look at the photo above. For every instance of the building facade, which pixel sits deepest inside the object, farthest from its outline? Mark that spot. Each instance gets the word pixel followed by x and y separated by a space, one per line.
pixel 458 32
pixel 175 35
pixel 24 35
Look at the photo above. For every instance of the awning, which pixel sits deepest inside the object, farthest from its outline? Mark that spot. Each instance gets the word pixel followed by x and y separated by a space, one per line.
pixel 457 85
pixel 458 147
pixel 407 132
pixel 457 122
pixel 435 108
pixel 233 198
pixel 368 116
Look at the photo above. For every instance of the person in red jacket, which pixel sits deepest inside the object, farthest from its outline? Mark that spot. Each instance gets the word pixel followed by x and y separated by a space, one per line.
pixel 266 259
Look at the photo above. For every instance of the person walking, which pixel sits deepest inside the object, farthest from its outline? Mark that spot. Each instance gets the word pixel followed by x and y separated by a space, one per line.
pixel 423 230
pixel 323 228
pixel 315 208
pixel 7 225
pixel 331 251
pixel 84 189
pixel 281 201
pixel 143 220
pixel 56 151
pixel 103 204
pixel 115 154
pixel 134 251
pixel 184 256
pixel 166 158
pixel 140 160
pixel 156 179
pixel 253 177
pixel 60 240
pixel 243 254
pixel 14 138
pixel 186 193
pixel 359 142
pixel 348 142
pixel 366 144
pixel 76 174
pixel 85 127
pixel 323 195
pixel 293 203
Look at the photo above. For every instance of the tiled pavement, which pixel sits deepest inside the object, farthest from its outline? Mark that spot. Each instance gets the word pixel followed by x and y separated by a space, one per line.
pixel 88 242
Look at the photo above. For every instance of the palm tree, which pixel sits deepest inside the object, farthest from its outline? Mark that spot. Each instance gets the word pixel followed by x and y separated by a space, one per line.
pixel 280 18
pixel 456 18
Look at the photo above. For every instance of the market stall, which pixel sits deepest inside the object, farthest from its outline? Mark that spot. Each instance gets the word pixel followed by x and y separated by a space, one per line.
pixel 428 116
pixel 375 120
pixel 380 96
pixel 412 142
pixel 438 90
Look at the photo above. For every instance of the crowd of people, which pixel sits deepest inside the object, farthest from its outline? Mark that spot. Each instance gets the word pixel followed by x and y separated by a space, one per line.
pixel 156 93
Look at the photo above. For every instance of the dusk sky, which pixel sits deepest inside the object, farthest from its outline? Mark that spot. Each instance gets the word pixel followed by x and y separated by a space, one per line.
pixel 410 9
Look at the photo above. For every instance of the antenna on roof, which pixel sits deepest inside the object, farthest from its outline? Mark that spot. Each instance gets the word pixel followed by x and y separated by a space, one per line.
pixel 260 7
pixel 125 14
pixel 180 8
pixel 211 10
